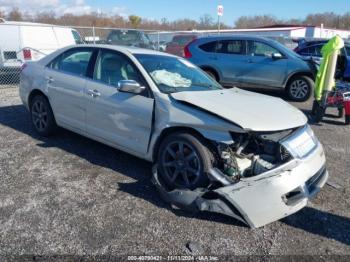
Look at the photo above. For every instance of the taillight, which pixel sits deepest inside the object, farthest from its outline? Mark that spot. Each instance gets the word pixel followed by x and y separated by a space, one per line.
pixel 27 54
pixel 187 53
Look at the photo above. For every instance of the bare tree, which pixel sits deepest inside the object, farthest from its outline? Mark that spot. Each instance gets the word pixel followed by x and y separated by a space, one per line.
pixel 46 17
pixel 328 19
pixel 2 14
pixel 206 22
pixel 15 15
pixel 256 21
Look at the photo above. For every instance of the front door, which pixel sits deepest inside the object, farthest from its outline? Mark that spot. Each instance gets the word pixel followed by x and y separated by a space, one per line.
pixel 261 68
pixel 121 119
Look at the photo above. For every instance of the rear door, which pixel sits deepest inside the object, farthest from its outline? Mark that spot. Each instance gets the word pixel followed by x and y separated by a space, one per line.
pixel 261 68
pixel 121 119
pixel 231 59
pixel 66 79
pixel 10 46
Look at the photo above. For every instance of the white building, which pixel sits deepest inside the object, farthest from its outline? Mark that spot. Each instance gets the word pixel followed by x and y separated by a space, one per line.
pixel 289 31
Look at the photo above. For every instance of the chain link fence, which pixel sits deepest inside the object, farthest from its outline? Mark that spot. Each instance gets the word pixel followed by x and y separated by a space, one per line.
pixel 21 42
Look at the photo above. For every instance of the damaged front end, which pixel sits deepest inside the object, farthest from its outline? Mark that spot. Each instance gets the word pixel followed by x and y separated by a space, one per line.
pixel 259 178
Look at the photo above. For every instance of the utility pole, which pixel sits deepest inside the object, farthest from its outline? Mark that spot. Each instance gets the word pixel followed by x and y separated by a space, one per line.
pixel 219 24
pixel 220 11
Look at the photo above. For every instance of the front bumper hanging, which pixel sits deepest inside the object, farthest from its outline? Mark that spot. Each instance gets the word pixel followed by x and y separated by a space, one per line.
pixel 255 201
pixel 197 200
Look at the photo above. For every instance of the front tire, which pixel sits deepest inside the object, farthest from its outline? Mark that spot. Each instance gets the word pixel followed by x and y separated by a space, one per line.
pixel 299 88
pixel 42 116
pixel 184 161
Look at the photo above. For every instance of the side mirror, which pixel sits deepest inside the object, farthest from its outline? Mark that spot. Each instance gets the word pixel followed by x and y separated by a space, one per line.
pixel 130 86
pixel 277 56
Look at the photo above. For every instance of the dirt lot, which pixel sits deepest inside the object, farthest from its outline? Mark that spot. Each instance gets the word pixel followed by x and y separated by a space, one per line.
pixel 71 195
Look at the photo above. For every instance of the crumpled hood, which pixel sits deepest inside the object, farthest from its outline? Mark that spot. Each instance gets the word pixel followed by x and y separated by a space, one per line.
pixel 249 110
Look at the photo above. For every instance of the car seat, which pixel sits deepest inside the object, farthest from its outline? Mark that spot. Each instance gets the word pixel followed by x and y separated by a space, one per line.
pixel 111 71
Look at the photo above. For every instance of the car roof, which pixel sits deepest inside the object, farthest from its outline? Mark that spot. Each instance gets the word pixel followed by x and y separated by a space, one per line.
pixel 184 35
pixel 126 49
pixel 20 23
pixel 234 36
pixel 307 43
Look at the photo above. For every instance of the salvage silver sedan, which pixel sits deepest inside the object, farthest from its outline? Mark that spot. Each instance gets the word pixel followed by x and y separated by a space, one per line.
pixel 246 155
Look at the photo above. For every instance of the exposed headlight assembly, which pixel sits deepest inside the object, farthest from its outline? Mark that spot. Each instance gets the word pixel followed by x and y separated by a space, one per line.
pixel 301 143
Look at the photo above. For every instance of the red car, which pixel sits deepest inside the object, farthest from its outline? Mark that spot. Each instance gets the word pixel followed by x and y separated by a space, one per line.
pixel 178 43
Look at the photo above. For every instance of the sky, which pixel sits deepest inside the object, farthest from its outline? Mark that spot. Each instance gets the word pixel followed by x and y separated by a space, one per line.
pixel 175 9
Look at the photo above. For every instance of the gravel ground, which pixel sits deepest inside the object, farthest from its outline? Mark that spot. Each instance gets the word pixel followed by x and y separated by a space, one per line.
pixel 71 195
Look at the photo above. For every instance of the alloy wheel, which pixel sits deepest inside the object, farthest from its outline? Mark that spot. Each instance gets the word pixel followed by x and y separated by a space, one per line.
pixel 39 115
pixel 299 88
pixel 181 164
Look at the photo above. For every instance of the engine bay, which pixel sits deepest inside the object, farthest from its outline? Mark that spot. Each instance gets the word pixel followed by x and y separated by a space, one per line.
pixel 252 154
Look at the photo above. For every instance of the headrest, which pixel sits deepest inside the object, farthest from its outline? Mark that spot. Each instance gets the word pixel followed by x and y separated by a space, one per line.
pixel 111 64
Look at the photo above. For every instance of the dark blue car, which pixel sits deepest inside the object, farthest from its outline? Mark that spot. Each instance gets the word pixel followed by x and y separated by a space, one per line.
pixel 312 49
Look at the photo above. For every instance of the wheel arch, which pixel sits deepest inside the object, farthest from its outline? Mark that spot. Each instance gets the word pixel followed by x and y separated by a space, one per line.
pixel 34 93
pixel 299 73
pixel 212 69
pixel 177 129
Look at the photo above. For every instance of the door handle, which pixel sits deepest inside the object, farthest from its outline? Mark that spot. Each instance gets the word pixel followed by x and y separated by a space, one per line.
pixel 93 93
pixel 49 79
pixel 213 58
pixel 250 61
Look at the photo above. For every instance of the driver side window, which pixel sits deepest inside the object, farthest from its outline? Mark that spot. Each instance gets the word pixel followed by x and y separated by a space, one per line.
pixel 261 49
pixel 112 67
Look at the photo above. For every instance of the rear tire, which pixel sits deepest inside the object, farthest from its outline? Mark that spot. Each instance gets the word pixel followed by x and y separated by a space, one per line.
pixel 42 116
pixel 184 161
pixel 300 88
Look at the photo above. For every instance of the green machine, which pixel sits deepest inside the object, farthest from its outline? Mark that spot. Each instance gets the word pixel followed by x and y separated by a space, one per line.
pixel 328 93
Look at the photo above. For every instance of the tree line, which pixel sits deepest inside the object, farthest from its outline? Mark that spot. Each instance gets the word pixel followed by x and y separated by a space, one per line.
pixel 206 21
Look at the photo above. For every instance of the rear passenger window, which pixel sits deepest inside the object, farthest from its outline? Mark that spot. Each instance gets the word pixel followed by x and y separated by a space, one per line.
pixel 235 47
pixel 73 61
pixel 209 47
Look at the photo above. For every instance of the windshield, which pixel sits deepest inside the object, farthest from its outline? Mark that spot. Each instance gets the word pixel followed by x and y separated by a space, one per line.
pixel 172 74
pixel 124 36
pixel 183 40
pixel 285 49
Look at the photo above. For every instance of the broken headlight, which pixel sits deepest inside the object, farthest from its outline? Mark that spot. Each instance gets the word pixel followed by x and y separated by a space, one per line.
pixel 301 143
